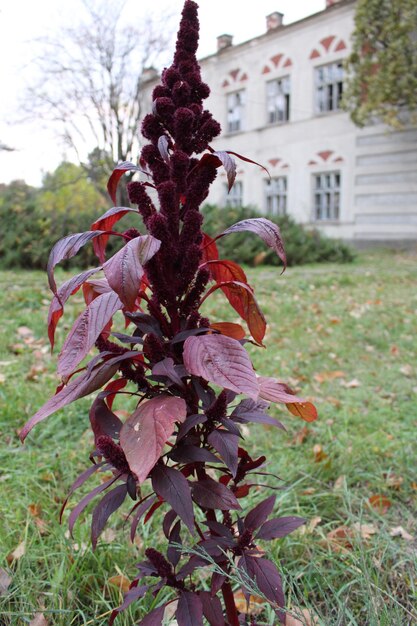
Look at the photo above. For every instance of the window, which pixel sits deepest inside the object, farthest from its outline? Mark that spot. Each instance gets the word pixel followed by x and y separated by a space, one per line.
pixel 327 196
pixel 235 196
pixel 276 195
pixel 278 100
pixel 235 110
pixel 329 87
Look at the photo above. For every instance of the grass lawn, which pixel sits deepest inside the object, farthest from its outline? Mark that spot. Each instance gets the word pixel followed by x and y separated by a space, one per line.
pixel 345 337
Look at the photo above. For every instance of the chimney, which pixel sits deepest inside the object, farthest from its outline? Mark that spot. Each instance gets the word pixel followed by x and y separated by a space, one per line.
pixel 224 41
pixel 273 20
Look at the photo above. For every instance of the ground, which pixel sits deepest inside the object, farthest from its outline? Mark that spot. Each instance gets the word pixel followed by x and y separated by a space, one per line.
pixel 343 336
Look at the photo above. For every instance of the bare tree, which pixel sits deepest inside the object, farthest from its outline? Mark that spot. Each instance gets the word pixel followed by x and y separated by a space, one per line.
pixel 90 77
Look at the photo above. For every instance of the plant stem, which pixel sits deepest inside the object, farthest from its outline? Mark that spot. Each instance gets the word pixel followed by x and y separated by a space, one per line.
pixel 229 602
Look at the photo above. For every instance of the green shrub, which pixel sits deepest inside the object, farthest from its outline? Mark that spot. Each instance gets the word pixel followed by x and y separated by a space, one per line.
pixel 302 245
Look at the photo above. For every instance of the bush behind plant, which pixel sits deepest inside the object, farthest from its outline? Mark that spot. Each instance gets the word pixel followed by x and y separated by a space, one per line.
pixel 302 245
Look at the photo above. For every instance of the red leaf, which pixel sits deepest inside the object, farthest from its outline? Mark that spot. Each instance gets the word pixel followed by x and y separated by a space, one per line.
pixel 124 270
pixel 116 175
pixel 274 391
pixel 306 410
pixel 222 271
pixel 208 249
pixel 241 298
pixel 221 360
pixel 217 159
pixel 66 290
pixel 91 380
pixel 86 330
pixel 94 288
pixel 243 158
pixel 146 431
pixel 235 331
pixel 66 248
pixel 267 230
pixel 106 222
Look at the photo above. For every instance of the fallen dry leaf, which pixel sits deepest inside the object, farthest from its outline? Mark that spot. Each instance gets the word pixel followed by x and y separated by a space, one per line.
pixel 309 491
pixel 399 531
pixel 17 553
pixel 5 582
pixel 339 483
pixel 322 377
pixel 352 384
pixel 109 535
pixel 38 620
pixel 24 331
pixel 35 510
pixel 393 480
pixel 407 370
pixel 380 503
pixel 365 530
pixel 306 618
pixel 120 581
pixel 319 454
pixel 256 603
pixel 339 539
pixel 300 436
pixel 308 528
pixel 395 350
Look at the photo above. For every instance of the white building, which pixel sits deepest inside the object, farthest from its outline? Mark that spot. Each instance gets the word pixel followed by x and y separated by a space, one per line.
pixel 277 98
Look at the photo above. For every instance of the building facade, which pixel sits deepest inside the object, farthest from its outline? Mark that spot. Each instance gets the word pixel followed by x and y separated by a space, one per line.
pixel 277 98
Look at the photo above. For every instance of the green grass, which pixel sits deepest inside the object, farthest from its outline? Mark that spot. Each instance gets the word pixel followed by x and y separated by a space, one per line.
pixel 358 321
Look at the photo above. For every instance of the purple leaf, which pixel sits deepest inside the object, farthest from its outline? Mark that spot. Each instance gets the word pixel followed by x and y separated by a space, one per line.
pixel 103 421
pixel 190 422
pixel 221 360
pixel 86 330
pixel 146 431
pixel 79 508
pixel 173 551
pixel 116 175
pixel 135 593
pixel 163 147
pixel 78 482
pixel 220 529
pixel 125 269
pixel 167 368
pixel 66 248
pixel 174 488
pixel 226 445
pixel 191 565
pixel 212 609
pixel 229 165
pixel 190 610
pixel 140 511
pixel 217 581
pixel 210 494
pixel 279 527
pixel 259 514
pixel 267 230
pixel 145 323
pixel 274 391
pixel 266 577
pixel 89 381
pixel 184 334
pixel 108 505
pixel 56 307
pixel 192 454
pixel 154 618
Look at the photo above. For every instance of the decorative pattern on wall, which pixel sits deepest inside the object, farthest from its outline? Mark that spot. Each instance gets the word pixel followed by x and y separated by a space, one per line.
pixel 235 76
pixel 325 156
pixel 278 61
pixel 278 163
pixel 328 45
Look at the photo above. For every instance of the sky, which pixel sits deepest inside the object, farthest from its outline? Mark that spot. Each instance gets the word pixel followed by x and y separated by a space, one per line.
pixel 37 149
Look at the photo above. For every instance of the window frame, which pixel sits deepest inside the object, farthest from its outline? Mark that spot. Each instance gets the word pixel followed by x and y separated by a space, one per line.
pixel 286 94
pixel 276 199
pixel 328 209
pixel 234 198
pixel 241 121
pixel 332 90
